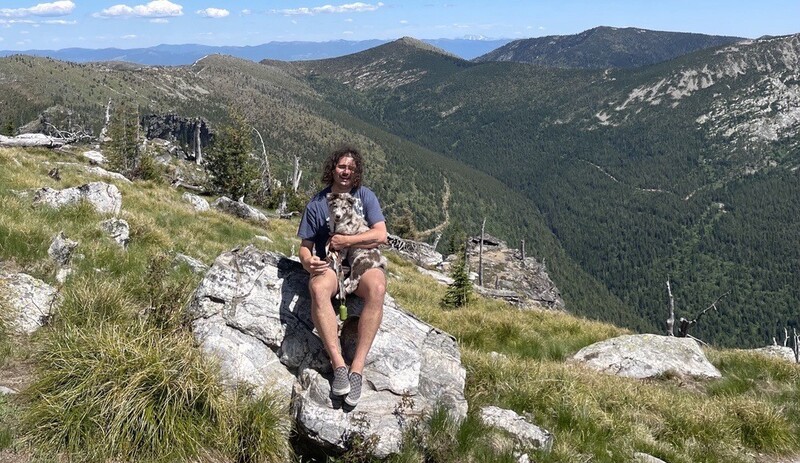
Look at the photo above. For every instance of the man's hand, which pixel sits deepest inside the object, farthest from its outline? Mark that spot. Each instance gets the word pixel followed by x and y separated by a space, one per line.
pixel 316 266
pixel 339 242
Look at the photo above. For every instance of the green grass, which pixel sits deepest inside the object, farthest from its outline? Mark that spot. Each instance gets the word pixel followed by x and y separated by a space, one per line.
pixel 117 356
pixel 604 418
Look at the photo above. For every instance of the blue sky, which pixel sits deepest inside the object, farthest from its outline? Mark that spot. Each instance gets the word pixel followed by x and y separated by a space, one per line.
pixel 60 24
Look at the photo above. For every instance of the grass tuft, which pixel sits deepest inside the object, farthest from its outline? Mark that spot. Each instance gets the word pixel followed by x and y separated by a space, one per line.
pixel 259 428
pixel 107 392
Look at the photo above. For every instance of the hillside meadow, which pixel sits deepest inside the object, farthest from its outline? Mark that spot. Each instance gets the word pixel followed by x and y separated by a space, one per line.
pixel 115 375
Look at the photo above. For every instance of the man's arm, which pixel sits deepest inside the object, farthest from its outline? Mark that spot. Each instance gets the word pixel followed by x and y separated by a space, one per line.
pixel 311 262
pixel 371 238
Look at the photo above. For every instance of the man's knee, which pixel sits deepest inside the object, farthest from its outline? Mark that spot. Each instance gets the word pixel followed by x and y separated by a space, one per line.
pixel 322 286
pixel 372 285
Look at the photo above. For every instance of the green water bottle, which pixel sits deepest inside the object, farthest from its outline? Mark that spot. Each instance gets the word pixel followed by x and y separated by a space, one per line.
pixel 342 312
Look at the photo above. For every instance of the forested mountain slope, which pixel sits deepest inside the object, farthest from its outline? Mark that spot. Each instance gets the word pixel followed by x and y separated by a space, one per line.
pixel 684 170
pixel 296 120
pixel 605 47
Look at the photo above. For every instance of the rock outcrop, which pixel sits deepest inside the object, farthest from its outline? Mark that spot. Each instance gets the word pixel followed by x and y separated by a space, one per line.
pixel 238 209
pixel 506 275
pixel 26 301
pixel 524 433
pixel 781 352
pixel 422 253
pixel 184 132
pixel 251 312
pixel 647 356
pixel 105 197
pixel 198 204
pixel 118 230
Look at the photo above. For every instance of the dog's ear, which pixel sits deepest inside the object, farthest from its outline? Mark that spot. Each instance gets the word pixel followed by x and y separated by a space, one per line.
pixel 351 199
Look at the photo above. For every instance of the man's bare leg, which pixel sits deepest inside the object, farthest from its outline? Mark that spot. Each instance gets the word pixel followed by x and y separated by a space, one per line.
pixel 372 289
pixel 322 289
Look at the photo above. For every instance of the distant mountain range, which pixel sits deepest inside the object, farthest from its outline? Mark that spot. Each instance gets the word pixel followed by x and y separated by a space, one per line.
pixel 605 47
pixel 174 55
pixel 619 179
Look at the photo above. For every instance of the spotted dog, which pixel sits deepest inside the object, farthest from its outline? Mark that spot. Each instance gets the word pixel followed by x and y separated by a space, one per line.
pixel 345 221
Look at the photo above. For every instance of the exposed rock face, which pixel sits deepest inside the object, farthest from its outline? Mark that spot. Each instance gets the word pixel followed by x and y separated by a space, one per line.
pixel 522 282
pixel 647 356
pixel 118 230
pixel 181 130
pixel 239 209
pixel 252 312
pixel 104 197
pixel 199 204
pixel 26 301
pixel 421 253
pixel 527 435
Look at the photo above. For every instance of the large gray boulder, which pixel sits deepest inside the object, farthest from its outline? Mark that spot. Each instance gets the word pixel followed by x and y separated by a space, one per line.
pixel 105 197
pixel 252 312
pixel 26 301
pixel 647 356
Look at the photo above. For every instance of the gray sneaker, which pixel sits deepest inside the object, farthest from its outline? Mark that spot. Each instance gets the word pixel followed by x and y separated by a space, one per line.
pixel 355 390
pixel 341 383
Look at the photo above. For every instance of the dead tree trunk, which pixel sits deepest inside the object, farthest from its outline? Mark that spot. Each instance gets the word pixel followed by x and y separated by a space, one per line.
pixel 266 175
pixel 522 248
pixel 198 150
pixel 296 175
pixel 480 254
pixel 104 130
pixel 685 324
pixel 671 319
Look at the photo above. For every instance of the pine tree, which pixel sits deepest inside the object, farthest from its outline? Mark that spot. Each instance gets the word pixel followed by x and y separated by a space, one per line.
pixel 123 129
pixel 403 225
pixel 459 292
pixel 229 162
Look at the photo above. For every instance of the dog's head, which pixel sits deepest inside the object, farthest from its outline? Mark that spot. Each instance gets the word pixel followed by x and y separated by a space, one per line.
pixel 340 205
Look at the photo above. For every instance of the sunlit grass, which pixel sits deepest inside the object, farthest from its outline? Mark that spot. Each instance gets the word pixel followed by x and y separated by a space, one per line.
pixel 116 354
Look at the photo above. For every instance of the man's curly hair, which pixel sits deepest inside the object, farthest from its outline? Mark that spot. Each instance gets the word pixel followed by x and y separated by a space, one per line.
pixel 333 159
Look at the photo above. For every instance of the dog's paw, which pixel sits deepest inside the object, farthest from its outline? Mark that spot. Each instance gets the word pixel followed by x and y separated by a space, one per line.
pixel 350 285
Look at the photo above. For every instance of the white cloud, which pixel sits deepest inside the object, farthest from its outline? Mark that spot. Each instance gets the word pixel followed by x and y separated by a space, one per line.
pixel 348 20
pixel 129 36
pixel 357 7
pixel 347 33
pixel 403 21
pixel 214 12
pixel 159 21
pixel 246 12
pixel 59 21
pixel 154 9
pixel 60 8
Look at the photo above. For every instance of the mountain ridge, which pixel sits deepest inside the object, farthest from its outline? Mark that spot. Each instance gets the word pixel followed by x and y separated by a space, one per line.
pixel 605 47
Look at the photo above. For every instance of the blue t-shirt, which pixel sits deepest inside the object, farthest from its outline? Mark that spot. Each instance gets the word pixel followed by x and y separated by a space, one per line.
pixel 314 225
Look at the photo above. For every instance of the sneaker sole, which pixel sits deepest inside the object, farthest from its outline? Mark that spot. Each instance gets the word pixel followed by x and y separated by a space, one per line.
pixel 342 391
pixel 349 402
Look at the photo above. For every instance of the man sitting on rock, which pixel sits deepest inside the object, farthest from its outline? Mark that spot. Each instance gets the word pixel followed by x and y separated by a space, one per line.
pixel 342 173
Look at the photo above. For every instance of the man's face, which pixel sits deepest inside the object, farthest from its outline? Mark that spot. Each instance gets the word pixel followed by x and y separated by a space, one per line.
pixel 343 173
